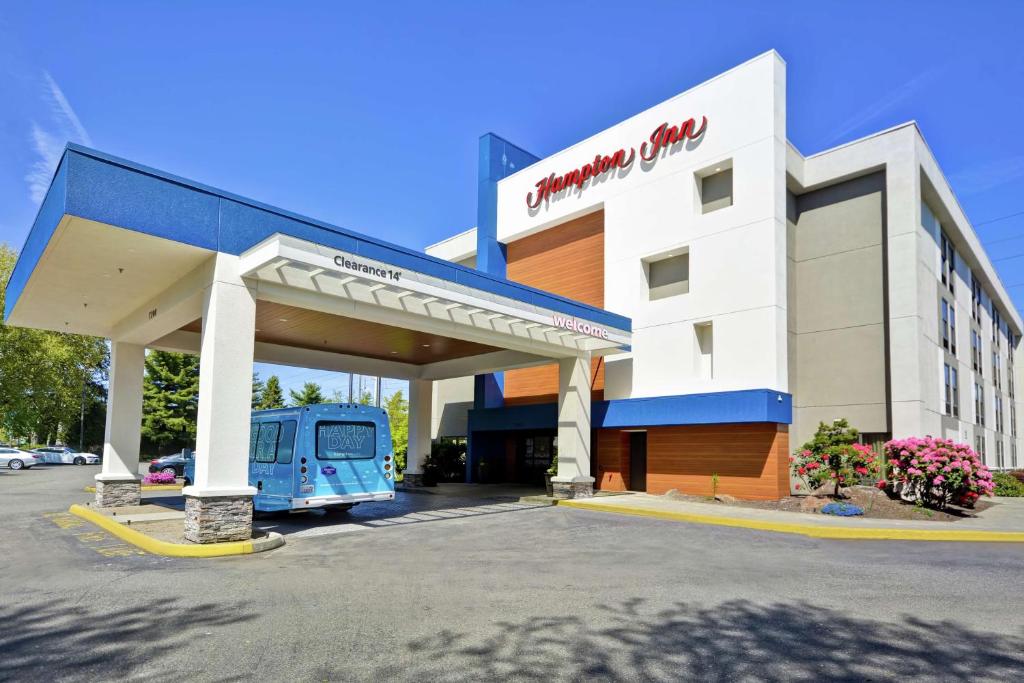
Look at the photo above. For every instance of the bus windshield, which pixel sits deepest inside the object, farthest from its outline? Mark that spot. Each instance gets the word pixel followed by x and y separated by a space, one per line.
pixel 345 440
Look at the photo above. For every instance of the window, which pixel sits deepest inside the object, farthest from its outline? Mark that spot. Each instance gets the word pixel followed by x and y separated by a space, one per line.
pixel 999 413
pixel 1013 455
pixel 254 431
pixel 1013 419
pixel 715 190
pixel 948 261
pixel 979 404
pixel 266 443
pixel 975 297
pixel 979 446
pixel 995 369
pixel 944 324
pixel 346 440
pixel 668 275
pixel 976 361
pixel 952 329
pixel 705 350
pixel 286 442
pixel 272 441
pixel 996 324
pixel 999 453
pixel 952 392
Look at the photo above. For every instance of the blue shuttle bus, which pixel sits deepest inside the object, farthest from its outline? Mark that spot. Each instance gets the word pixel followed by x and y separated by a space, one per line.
pixel 328 456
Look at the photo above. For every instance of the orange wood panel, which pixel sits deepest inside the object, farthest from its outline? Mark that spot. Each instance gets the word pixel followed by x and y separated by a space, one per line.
pixel 752 460
pixel 308 329
pixel 612 460
pixel 567 260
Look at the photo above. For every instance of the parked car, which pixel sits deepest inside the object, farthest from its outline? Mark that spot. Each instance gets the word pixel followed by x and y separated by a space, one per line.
pixel 172 464
pixel 17 459
pixel 62 455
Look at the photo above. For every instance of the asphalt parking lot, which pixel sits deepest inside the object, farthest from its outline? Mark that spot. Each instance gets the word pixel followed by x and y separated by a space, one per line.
pixel 500 591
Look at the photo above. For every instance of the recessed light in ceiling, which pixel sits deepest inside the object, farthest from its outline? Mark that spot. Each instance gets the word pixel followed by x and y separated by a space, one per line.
pixel 284 320
pixel 394 352
pixel 426 346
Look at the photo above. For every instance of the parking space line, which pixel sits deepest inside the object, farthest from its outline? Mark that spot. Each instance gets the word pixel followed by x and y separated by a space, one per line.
pixel 99 541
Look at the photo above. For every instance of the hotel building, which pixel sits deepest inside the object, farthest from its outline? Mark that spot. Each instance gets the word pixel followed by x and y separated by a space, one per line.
pixel 768 291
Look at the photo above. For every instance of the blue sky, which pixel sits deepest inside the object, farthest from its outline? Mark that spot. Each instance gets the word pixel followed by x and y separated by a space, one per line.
pixel 368 115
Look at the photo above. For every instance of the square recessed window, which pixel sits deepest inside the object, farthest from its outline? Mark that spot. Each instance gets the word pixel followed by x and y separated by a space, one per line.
pixel 668 274
pixel 714 186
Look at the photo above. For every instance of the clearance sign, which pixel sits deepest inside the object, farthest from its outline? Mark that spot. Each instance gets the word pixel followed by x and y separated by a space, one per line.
pixel 663 136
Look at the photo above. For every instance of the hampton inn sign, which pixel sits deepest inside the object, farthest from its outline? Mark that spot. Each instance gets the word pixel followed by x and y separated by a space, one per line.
pixel 663 136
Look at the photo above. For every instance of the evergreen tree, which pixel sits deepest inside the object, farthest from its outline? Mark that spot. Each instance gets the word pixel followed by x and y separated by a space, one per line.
pixel 310 395
pixel 398 415
pixel 258 387
pixel 170 399
pixel 271 396
pixel 365 398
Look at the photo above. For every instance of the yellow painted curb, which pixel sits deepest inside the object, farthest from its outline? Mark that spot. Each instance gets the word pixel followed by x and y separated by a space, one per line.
pixel 157 547
pixel 813 531
pixel 147 487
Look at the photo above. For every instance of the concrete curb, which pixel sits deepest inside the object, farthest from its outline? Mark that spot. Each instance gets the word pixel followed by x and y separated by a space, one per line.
pixel 813 531
pixel 158 547
pixel 147 487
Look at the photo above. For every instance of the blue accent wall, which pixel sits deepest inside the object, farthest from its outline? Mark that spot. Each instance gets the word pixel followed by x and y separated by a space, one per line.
pixel 726 407
pixel 498 158
pixel 100 187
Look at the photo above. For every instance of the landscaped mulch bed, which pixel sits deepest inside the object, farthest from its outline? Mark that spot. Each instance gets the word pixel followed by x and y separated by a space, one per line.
pixel 875 503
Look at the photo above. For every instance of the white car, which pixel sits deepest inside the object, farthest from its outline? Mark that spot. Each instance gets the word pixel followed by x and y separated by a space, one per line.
pixel 16 459
pixel 62 455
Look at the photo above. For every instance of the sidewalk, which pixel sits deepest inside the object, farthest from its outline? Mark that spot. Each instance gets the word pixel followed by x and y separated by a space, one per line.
pixel 1004 521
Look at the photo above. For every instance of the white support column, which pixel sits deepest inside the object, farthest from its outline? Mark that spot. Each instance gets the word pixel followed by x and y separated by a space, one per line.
pixel 218 504
pixel 573 480
pixel 420 405
pixel 118 482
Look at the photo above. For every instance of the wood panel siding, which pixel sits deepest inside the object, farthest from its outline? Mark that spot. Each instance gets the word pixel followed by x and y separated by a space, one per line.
pixel 751 460
pixel 567 260
pixel 612 472
pixel 308 329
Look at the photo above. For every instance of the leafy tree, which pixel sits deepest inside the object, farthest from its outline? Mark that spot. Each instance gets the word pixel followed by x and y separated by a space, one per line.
pixel 833 457
pixel 258 387
pixel 170 400
pixel 310 395
pixel 271 396
pixel 365 398
pixel 44 375
pixel 398 415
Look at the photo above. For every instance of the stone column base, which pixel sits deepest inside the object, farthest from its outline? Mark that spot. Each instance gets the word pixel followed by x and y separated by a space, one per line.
pixel 572 488
pixel 217 519
pixel 110 494
pixel 412 480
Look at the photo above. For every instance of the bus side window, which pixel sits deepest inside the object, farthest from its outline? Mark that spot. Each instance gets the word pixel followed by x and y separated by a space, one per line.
pixel 266 445
pixel 286 441
pixel 254 430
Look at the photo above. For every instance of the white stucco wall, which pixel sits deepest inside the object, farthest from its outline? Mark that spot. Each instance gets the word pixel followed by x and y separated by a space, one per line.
pixel 737 254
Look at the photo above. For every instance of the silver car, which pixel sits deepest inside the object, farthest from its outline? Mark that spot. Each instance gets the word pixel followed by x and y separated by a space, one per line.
pixel 62 455
pixel 16 459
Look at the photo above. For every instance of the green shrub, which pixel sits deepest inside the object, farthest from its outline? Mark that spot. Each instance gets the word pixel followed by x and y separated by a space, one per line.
pixel 1007 485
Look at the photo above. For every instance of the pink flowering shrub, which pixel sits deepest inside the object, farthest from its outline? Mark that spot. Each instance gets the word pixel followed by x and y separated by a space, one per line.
pixel 159 478
pixel 833 457
pixel 935 472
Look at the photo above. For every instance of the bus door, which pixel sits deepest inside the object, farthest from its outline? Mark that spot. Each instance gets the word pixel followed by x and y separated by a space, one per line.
pixel 346 458
pixel 271 447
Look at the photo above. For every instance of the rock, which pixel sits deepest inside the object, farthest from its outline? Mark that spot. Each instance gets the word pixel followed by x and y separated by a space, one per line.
pixel 814 503
pixel 725 498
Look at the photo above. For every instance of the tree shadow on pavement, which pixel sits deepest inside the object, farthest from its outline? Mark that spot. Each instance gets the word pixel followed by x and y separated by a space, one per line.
pixel 733 641
pixel 61 640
